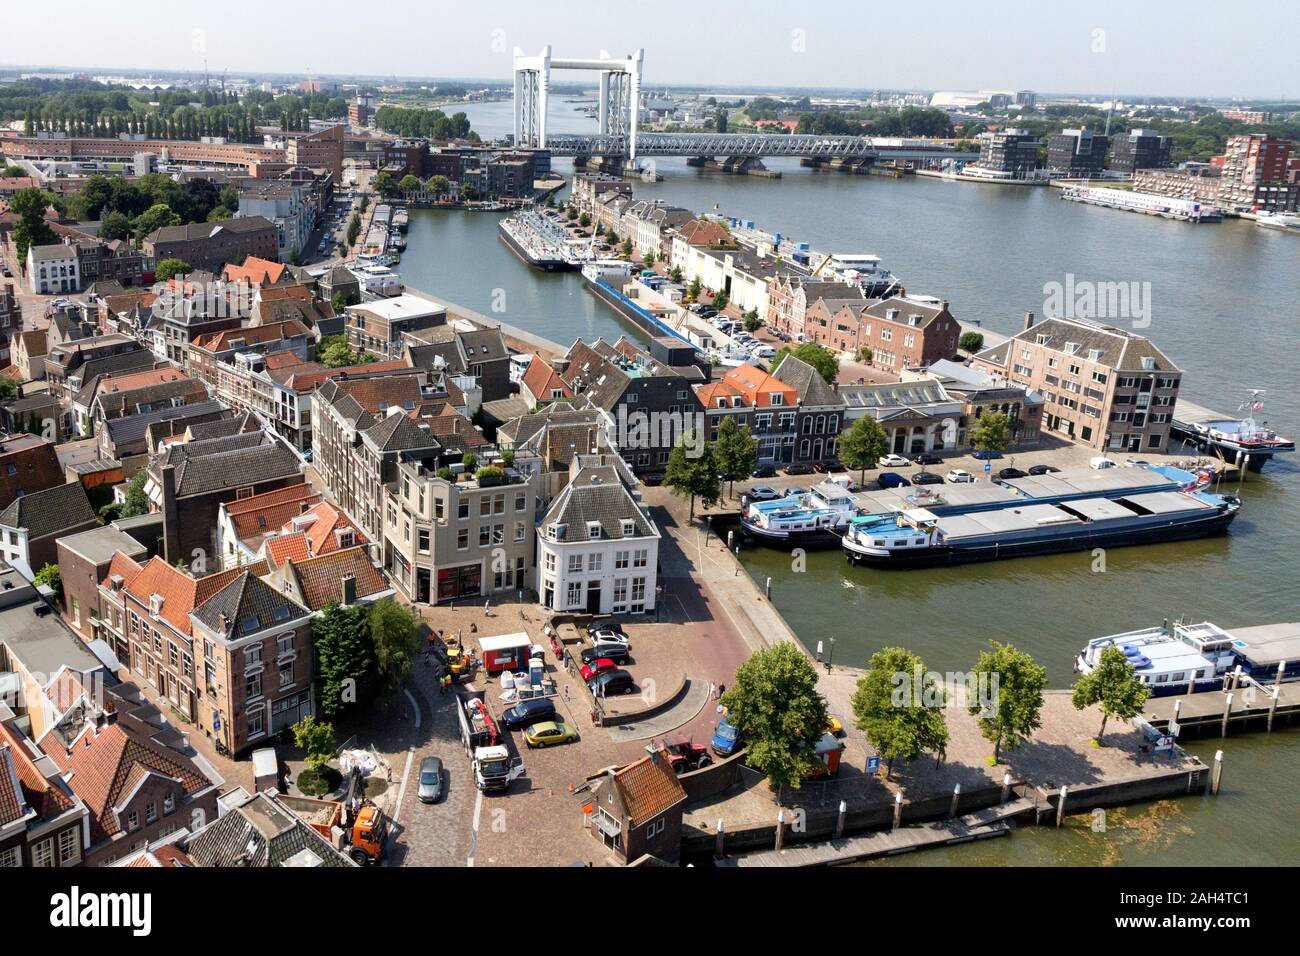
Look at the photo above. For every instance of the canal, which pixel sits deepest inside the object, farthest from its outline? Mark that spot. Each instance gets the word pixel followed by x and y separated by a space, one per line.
pixel 1224 304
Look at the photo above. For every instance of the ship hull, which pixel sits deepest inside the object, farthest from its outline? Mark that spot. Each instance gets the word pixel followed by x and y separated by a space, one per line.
pixel 820 538
pixel 542 265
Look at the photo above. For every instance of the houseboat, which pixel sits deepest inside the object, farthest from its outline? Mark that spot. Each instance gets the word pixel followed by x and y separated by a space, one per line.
pixel 1238 441
pixel 401 219
pixel 918 537
pixel 596 270
pixel 1189 658
pixel 815 518
pixel 1150 204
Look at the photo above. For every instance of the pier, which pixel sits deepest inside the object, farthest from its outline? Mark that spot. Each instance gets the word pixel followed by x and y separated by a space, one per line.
pixel 1243 708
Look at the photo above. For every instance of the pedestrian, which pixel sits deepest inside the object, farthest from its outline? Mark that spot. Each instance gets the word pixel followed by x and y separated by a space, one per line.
pixel 722 689
pixel 566 693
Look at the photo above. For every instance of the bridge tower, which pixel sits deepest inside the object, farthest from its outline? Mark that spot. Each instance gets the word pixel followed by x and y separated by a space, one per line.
pixel 619 99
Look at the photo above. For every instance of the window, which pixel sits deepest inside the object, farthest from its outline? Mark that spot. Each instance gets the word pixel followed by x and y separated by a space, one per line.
pixel 521 530
pixel 594 561
pixel 575 564
pixel 484 536
pixel 548 561
pixel 286 674
pixel 253 686
pixel 169 803
pixel 70 846
pixel 10 857
pixel 132 821
pixel 521 501
pixel 151 812
pixel 462 539
pixel 640 558
pixel 43 853
pixel 575 594
pixel 462 510
pixel 255 723
pixel 422 541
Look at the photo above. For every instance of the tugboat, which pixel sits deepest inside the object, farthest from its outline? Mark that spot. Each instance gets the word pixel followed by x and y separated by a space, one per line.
pixel 1237 441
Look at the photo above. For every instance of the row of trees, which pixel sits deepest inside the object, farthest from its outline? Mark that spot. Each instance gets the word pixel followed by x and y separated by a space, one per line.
pixel 125 207
pixel 431 124
pixel 909 121
pixel 775 705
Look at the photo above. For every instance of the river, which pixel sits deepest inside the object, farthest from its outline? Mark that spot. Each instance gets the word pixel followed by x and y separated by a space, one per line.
pixel 1224 304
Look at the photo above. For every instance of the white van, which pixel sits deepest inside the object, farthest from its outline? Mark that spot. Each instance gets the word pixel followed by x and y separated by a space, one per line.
pixel 1101 462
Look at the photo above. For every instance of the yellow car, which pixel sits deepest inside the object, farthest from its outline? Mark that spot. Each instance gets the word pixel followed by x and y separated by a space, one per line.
pixel 548 732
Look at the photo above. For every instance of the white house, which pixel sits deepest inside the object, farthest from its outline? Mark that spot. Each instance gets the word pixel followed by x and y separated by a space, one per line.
pixel 597 550
pixel 53 269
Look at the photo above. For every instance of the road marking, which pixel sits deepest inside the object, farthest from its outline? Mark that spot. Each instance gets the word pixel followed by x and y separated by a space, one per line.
pixel 473 836
pixel 406 772
pixel 414 705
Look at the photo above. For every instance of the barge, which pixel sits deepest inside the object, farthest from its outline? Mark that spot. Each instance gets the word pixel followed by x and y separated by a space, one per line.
pixel 816 518
pixel 1150 204
pixel 538 243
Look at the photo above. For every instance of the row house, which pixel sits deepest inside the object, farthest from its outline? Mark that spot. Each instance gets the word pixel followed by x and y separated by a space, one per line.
pixel 32 524
pixel 81 410
pixel 210 245
pixel 541 384
pixel 820 415
pixel 42 822
pixel 697 234
pixel 70 366
pixel 245 525
pixel 650 224
pixel 380 327
pixel 758 401
pixel 27 351
pixel 114 261
pixel 11 319
pixel 901 331
pixel 556 436
pixel 189 308
pixel 345 576
pixel 463 350
pixel 587 188
pixel 28 463
pixel 208 351
pixel 742 272
pixel 127 439
pixel 139 392
pixel 84 560
pixel 1104 386
pixel 289 387
pixel 610 207
pixel 54 269
pixel 789 297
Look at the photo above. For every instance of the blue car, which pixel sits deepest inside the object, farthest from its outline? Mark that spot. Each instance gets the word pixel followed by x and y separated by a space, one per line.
pixel 725 739
pixel 986 455
pixel 892 479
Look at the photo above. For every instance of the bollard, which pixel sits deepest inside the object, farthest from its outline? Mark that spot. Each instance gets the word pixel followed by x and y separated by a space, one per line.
pixel 718 850
pixel 780 829
pixel 1191 683
pixel 731 540
pixel 1272 709
pixel 769 589
pixel 1006 787
pixel 1216 776
pixel 1281 669
pixel 839 824
pixel 1060 804
pixel 1227 712
pixel 956 797
pixel 898 810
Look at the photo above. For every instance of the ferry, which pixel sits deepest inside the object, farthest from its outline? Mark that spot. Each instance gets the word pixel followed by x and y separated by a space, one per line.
pixel 1151 204
pixel 1191 658
pixel 1239 441
pixel 815 518
pixel 1285 221
pixel 918 537
pixel 538 243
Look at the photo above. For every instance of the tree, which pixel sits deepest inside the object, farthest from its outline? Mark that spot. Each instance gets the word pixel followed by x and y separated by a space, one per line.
pixel 136 501
pixel 384 183
pixel 823 360
pixel 354 229
pixel 114 225
pixel 720 299
pixel 693 476
pixel 992 433
pixel 438 185
pixel 970 342
pixel 49 576
pixel 735 452
pixel 584 220
pixel 695 288
pixel 155 217
pixel 899 707
pixel 395 630
pixel 676 274
pixel 170 268
pixel 1114 685
pixel 752 322
pixel 865 355
pixel 649 260
pixel 32 230
pixel 466 191
pixel 317 738
pixel 863 445
pixel 627 247
pixel 774 705
pixel 409 184
pixel 720 121
pixel 1015 688
pixel 346 666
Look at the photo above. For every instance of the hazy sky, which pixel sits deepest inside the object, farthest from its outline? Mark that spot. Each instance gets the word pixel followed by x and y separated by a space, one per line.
pixel 1191 47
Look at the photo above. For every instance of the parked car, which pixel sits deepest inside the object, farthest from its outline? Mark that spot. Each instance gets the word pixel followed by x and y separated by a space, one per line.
pixel 798 469
pixel 548 733
pixel 791 491
pixel 611 683
pixel 598 666
pixel 1100 462
pixel 986 455
pixel 652 479
pixel 892 479
pixel 827 466
pixel 959 477
pixel 608 637
pixel 927 478
pixel 764 471
pixel 430 788
pixel 1137 462
pixel 765 352
pixel 762 493
pixel 894 461
pixel 1007 473
pixel 528 712
pixel 619 655
pixel 928 458
pixel 726 739
pixel 1043 470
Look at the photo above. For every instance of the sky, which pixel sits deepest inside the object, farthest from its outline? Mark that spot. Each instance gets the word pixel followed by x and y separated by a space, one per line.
pixel 1239 48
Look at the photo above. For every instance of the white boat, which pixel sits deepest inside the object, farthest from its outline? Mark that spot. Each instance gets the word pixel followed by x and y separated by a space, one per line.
pixel 816 517
pixel 597 269
pixel 1284 221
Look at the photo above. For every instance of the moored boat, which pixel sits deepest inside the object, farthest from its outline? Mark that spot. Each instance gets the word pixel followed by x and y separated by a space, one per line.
pixel 815 518
pixel 1239 441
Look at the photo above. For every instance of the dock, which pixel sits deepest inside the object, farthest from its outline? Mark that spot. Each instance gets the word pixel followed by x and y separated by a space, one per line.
pixel 1242 708
pixel 981 825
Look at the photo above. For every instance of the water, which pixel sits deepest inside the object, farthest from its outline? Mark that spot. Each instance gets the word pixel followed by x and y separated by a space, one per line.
pixel 1223 306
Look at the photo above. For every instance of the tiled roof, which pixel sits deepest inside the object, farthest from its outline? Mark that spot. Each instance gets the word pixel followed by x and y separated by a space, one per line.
pixel 808 383
pixel 52 511
pixel 540 379
pixel 596 495
pixel 320 522
pixel 396 432
pixel 648 787
pixel 108 763
pixel 23 785
pixel 264 513
pixel 180 592
pixel 1118 348
pixel 254 270
pixel 234 468
pixel 202 230
pixel 261 832
pixel 131 428
pixel 704 232
pixel 287 547
pixel 252 335
pixel 320 579
pixel 249 605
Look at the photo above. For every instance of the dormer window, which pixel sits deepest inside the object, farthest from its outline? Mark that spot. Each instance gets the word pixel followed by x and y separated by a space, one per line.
pixel 593 530
pixel 629 527
pixel 1094 355
pixel 1071 348
pixel 1148 362
pixel 155 605
pixel 1043 339
pixel 778 398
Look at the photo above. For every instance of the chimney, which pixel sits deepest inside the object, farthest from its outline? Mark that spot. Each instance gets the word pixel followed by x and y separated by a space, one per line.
pixel 1029 320
pixel 171 518
pixel 349 590
pixel 223 622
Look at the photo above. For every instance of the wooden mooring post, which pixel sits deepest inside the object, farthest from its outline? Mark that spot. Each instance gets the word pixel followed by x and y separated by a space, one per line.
pixel 719 842
pixel 780 829
pixel 842 819
pixel 956 798
pixel 1060 804
pixel 1006 788
pixel 1227 712
pixel 898 810
pixel 1216 774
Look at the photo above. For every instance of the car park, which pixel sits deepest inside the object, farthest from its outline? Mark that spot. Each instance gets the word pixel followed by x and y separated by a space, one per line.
pixel 892 479
pixel 927 478
pixel 548 733
pixel 894 461
pixel 1043 470
pixel 959 477
pixel 430 787
pixel 1008 473
pixel 528 712
pixel 599 666
pixel 619 655
pixel 612 683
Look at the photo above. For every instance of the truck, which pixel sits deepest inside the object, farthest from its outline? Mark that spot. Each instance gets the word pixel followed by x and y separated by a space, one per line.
pixel 354 826
pixel 492 768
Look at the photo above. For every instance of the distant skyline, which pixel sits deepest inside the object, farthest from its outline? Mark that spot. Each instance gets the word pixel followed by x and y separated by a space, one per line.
pixel 1190 48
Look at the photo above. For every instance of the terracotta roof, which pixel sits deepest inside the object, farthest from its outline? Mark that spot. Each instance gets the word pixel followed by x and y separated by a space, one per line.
pixel 32 790
pixel 540 379
pixel 263 514
pixel 181 593
pixel 254 270
pixel 287 547
pixel 108 764
pixel 319 523
pixel 708 394
pixel 284 359
pixel 320 579
pixel 284 292
pixel 648 787
pixel 252 335
pixel 124 565
pixel 758 386
pixel 124 381
pixel 704 232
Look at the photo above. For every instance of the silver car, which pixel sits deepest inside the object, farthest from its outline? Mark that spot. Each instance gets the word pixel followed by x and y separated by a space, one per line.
pixel 430 780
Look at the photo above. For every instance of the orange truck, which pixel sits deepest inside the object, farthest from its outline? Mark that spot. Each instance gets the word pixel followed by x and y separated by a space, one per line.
pixel 361 835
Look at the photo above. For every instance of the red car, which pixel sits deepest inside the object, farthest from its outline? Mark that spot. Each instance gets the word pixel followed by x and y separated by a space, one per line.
pixel 598 666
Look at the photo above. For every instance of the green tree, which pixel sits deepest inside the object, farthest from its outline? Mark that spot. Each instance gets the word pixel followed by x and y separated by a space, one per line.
pixel 32 230
pixel 470 461
pixel 1013 684
pixel 136 501
pixel 584 220
pixel 1114 685
pixel 354 229
pixel 970 342
pixel 316 737
pixel 865 355
pixel 438 185
pixel 49 576
pixel 627 247
pixel 384 183
pixel 338 303
pixel 752 322
pixel 170 268
pixel 735 452
pixel 676 274
pixel 899 705
pixel 155 217
pixel 691 475
pixel 395 630
pixel 822 359
pixel 693 291
pixel 347 671
pixel 409 184
pixel 649 260
pixel 992 433
pixel 467 191
pixel 863 445
pixel 720 299
pixel 114 225
pixel 775 706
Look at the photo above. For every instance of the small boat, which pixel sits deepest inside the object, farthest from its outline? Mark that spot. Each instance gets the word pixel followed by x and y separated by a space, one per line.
pixel 1285 221
pixel 1238 441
